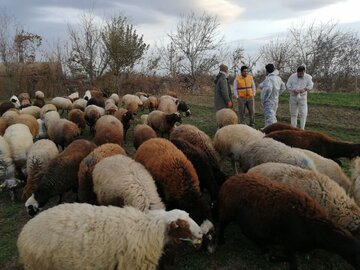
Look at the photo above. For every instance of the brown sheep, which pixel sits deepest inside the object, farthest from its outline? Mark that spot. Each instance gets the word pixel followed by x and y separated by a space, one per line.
pixel 77 116
pixel 270 213
pixel 29 121
pixel 63 132
pixel 3 126
pixel 109 130
pixel 152 103
pixel 279 126
pixel 142 133
pixel 176 179
pixel 316 142
pixel 85 190
pixel 162 122
pixel 125 117
pixel 60 176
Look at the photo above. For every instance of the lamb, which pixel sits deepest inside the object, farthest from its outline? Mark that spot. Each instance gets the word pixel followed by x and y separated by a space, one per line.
pixel 176 180
pixel 316 142
pixel 63 132
pixel 231 139
pixel 271 213
pixel 20 140
pixel 32 110
pixel 86 190
pixel 39 156
pixel 60 176
pixel 77 116
pixel 116 238
pixel 61 103
pixel 336 203
pixel 202 166
pixel 198 138
pixel 269 150
pixel 92 114
pixel 119 180
pixel 142 133
pixel 39 99
pixel 162 122
pixel 109 130
pixel 279 126
pixel 330 168
pixel 225 117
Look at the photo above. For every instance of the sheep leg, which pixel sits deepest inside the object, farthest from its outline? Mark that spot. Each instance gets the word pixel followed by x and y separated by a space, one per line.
pixel 233 164
pixel 60 199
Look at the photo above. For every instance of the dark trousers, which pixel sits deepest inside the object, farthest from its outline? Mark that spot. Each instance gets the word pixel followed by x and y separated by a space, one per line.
pixel 248 103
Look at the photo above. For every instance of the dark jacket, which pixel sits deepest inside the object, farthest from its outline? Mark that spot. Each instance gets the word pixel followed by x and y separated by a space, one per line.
pixel 222 91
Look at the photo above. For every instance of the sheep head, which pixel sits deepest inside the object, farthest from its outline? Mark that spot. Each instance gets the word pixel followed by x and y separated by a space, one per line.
pixel 15 101
pixel 182 227
pixel 183 107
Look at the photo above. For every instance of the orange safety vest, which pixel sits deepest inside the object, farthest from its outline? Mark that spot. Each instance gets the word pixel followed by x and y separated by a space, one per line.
pixel 244 86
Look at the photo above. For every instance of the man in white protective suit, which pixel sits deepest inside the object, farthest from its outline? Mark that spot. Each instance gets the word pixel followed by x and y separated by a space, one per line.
pixel 271 88
pixel 299 84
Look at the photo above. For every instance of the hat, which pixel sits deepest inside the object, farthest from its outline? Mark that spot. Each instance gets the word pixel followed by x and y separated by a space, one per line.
pixel 224 68
pixel 269 68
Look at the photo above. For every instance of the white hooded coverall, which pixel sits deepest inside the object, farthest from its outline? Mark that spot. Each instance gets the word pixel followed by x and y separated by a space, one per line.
pixel 271 87
pixel 298 101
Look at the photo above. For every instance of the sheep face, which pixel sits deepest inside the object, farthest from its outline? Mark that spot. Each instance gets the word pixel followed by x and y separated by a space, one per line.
pixel 87 95
pixel 15 101
pixel 32 206
pixel 183 107
pixel 182 227
pixel 208 230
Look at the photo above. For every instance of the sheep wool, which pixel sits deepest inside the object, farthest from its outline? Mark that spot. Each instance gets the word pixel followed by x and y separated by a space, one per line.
pixel 339 207
pixel 119 180
pixel 7 167
pixel 103 237
pixel 225 117
pixel 355 177
pixel 3 126
pixel 86 187
pixel 269 150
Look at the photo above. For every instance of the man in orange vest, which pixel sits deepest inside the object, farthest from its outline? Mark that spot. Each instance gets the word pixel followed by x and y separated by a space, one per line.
pixel 244 91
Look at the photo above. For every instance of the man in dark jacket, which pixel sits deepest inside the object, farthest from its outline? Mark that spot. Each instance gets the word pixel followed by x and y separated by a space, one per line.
pixel 222 97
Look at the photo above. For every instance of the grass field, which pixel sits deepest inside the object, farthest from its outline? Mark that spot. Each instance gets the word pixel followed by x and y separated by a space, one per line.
pixel 336 114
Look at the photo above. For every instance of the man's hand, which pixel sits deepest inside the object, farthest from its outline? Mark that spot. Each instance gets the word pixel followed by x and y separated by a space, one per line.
pixel 230 105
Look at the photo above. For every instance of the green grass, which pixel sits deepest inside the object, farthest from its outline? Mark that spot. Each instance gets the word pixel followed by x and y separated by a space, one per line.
pixel 333 113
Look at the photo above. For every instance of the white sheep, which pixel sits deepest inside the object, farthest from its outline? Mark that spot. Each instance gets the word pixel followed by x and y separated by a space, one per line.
pixel 355 177
pixel 131 102
pixel 79 104
pixel 330 168
pixel 231 139
pixel 115 97
pixel 61 103
pixel 20 140
pixel 32 110
pixel 47 108
pixel 101 237
pixel 226 117
pixel 39 156
pixel 74 96
pixel 92 114
pixel 269 150
pixel 120 180
pixel 51 117
pixel 7 167
pixel 339 207
pixel 39 94
pixel 167 105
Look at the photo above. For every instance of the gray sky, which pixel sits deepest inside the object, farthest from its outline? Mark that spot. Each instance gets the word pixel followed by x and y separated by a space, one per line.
pixel 246 23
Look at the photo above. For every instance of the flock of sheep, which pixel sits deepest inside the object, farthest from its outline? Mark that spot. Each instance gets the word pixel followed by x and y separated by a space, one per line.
pixel 286 188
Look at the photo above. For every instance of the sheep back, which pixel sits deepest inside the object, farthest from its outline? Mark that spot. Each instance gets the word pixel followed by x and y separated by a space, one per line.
pixel 63 132
pixel 119 180
pixel 225 117
pixel 109 130
pixel 86 191
pixel 142 133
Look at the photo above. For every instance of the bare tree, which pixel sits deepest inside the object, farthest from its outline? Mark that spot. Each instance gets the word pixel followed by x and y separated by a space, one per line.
pixel 8 30
pixel 250 61
pixel 123 45
pixel 87 51
pixel 278 52
pixel 196 42
pixel 26 45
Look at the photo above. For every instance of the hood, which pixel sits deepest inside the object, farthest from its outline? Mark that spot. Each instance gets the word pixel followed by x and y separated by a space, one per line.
pixel 274 73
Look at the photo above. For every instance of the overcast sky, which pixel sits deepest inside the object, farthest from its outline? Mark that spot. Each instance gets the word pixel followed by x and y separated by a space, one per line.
pixel 247 23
